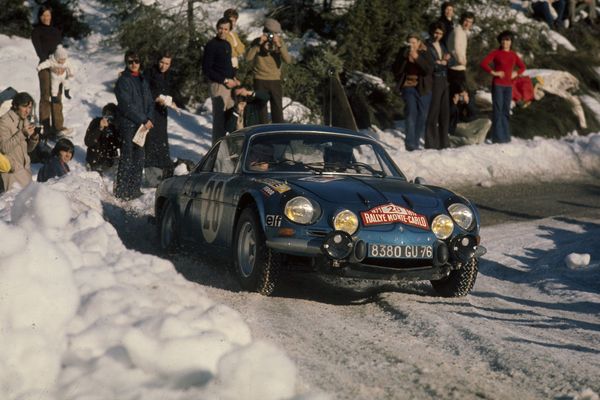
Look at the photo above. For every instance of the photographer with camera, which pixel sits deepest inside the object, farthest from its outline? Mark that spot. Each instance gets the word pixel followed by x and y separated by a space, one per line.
pixel 18 137
pixel 465 125
pixel 103 140
pixel 267 53
pixel 246 112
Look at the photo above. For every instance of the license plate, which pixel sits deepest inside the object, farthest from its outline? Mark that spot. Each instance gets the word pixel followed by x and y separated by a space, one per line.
pixel 400 251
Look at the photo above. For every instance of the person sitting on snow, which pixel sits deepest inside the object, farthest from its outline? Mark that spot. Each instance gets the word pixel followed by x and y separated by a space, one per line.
pixel 466 127
pixel 58 164
pixel 103 140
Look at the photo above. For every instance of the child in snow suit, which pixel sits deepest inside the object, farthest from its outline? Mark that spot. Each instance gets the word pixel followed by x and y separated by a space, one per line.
pixel 60 72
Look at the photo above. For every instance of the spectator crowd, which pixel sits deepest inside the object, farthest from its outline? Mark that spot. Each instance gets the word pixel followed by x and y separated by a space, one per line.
pixel 131 136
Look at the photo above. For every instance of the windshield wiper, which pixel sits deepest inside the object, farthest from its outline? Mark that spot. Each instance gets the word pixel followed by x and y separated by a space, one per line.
pixel 357 164
pixel 289 162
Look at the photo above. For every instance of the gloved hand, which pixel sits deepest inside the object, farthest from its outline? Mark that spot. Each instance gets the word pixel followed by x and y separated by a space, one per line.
pixel 67 94
pixel 54 99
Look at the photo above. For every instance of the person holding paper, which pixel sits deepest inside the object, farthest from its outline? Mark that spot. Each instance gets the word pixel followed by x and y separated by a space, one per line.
pixel 136 113
pixel 158 164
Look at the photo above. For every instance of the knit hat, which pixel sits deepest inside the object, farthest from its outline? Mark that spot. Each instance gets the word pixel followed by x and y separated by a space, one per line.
pixel 60 53
pixel 272 25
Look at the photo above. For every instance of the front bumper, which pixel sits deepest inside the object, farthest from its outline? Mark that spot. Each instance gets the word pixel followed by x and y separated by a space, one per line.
pixel 356 264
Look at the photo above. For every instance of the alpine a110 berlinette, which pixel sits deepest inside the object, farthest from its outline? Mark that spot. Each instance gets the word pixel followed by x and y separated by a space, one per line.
pixel 301 197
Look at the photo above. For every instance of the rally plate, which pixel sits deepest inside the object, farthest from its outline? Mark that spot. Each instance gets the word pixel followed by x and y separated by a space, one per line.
pixel 400 251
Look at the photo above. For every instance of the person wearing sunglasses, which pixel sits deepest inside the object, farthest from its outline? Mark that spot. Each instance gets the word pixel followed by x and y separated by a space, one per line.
pixel 135 111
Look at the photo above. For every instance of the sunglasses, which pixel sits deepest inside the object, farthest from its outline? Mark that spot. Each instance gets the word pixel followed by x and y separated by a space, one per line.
pixel 133 61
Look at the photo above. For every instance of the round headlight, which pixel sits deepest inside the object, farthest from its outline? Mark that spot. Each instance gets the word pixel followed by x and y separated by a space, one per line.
pixel 300 210
pixel 345 221
pixel 442 226
pixel 462 215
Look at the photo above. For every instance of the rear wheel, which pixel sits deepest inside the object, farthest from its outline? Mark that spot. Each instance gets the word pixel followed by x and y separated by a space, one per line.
pixel 256 266
pixel 459 282
pixel 167 228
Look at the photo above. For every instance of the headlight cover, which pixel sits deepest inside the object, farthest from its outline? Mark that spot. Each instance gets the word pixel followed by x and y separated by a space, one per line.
pixel 462 215
pixel 442 226
pixel 301 211
pixel 346 221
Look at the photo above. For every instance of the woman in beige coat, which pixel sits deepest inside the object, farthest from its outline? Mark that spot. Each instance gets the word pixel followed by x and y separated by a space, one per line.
pixel 17 138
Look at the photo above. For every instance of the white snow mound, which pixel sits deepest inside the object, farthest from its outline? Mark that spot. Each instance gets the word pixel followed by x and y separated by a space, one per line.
pixel 577 261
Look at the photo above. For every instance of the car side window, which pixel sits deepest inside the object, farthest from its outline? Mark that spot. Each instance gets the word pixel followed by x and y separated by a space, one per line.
pixel 228 155
pixel 209 161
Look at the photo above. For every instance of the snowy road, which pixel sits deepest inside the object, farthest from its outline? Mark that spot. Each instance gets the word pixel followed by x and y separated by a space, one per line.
pixel 530 328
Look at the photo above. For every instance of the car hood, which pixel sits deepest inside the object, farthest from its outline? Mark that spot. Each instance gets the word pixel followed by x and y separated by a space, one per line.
pixel 360 191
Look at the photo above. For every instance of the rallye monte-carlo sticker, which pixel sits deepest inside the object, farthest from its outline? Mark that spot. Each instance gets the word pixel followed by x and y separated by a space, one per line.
pixel 390 214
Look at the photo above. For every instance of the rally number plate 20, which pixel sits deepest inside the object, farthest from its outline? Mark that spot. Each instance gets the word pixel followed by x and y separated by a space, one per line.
pixel 400 251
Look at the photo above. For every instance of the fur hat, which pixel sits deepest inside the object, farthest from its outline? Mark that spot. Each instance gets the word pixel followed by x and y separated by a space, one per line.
pixel 272 25
pixel 60 53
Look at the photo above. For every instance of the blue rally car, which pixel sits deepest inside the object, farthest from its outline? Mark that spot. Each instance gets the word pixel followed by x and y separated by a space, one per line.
pixel 301 197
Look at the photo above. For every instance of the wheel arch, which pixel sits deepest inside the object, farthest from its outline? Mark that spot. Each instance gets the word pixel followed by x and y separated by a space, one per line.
pixel 250 198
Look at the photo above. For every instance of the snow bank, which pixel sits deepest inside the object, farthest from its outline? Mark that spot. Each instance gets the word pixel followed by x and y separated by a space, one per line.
pixel 489 164
pixel 82 317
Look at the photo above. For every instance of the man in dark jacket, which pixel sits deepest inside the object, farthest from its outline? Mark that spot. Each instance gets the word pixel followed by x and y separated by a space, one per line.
pixel 447 19
pixel 466 126
pixel 103 140
pixel 247 109
pixel 414 76
pixel 217 68
pixel 136 108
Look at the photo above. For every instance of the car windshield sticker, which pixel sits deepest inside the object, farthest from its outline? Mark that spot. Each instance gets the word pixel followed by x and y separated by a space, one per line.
pixel 321 179
pixel 274 220
pixel 391 214
pixel 276 185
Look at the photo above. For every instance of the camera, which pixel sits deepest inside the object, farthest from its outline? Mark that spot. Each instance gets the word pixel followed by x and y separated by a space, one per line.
pixel 270 37
pixel 38 130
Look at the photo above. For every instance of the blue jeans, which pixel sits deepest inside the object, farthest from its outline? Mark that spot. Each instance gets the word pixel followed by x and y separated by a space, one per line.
pixel 415 112
pixel 501 97
pixel 542 10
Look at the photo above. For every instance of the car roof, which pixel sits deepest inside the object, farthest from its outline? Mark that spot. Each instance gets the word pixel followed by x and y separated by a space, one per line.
pixel 268 128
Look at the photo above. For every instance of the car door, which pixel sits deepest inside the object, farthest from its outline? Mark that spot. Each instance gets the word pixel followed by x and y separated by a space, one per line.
pixel 212 208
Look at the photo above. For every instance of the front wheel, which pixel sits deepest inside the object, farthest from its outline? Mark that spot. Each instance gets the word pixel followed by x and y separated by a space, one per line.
pixel 256 266
pixel 459 282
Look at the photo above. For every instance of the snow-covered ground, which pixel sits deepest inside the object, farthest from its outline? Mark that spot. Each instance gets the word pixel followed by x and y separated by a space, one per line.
pixel 83 317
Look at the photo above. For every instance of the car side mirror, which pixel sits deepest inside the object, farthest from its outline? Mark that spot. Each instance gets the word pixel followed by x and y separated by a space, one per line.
pixel 419 181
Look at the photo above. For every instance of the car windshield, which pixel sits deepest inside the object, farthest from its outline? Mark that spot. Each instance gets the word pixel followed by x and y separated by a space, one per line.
pixel 318 153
